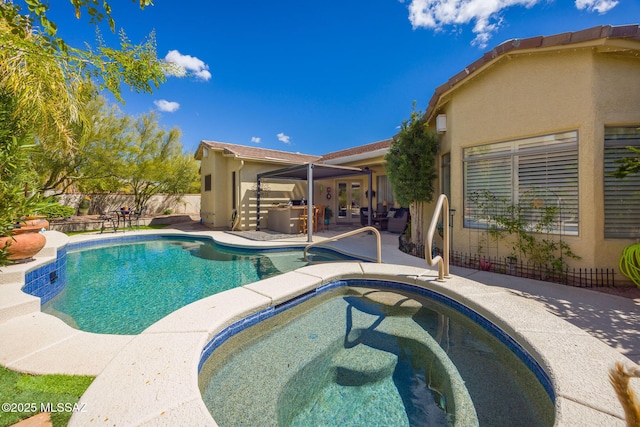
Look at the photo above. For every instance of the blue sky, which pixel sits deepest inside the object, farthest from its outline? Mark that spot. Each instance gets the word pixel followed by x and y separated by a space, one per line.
pixel 320 76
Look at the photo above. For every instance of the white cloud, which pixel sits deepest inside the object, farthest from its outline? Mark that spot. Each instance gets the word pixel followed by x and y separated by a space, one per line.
pixel 187 63
pixel 167 106
pixel 284 138
pixel 437 14
pixel 600 6
pixel 255 139
pixel 485 14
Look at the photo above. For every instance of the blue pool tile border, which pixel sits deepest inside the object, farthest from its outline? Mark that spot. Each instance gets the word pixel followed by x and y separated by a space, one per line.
pixel 231 330
pixel 474 316
pixel 48 280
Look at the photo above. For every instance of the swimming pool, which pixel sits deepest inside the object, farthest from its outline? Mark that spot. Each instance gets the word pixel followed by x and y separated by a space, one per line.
pixel 374 353
pixel 122 287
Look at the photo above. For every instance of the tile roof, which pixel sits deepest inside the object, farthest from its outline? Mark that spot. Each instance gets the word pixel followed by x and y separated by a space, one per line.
pixel 631 32
pixel 248 152
pixel 362 149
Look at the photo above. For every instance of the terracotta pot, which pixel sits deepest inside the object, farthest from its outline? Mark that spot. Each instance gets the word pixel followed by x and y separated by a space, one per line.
pixel 37 221
pixel 25 243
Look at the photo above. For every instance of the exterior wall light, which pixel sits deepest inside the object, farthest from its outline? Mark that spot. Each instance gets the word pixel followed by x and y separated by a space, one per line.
pixel 441 123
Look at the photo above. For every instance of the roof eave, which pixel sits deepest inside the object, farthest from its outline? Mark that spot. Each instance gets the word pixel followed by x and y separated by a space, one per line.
pixel 273 161
pixel 603 38
pixel 357 157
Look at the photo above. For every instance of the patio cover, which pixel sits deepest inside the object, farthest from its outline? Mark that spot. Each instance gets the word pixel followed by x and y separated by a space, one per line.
pixel 309 172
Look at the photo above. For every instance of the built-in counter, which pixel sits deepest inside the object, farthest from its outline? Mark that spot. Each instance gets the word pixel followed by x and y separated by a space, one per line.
pixel 285 219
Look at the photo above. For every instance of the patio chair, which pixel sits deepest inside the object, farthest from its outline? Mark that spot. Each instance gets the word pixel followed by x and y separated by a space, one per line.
pixel 318 218
pixel 137 214
pixel 364 216
pixel 302 222
pixel 399 221
pixel 107 219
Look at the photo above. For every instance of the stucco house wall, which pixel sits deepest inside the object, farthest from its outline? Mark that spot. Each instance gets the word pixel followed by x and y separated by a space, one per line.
pixel 581 87
pixel 213 202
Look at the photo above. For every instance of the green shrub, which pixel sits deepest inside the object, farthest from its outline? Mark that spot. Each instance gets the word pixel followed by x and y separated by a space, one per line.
pixel 56 210
pixel 167 212
pixel 535 238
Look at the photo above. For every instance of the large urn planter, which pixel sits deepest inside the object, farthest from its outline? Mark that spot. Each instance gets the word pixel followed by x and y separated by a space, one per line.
pixel 24 244
pixel 37 221
pixel 85 204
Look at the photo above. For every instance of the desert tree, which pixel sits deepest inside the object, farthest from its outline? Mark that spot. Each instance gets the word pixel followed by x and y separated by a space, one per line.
pixel 155 162
pixel 42 81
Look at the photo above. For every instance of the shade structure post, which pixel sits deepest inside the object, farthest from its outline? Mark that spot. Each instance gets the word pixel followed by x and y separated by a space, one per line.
pixel 257 205
pixel 310 202
pixel 369 196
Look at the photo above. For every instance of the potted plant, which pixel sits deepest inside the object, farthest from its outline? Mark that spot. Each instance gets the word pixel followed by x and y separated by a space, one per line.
pixel 328 214
pixel 18 240
pixel 485 264
pixel 24 242
pixel 85 203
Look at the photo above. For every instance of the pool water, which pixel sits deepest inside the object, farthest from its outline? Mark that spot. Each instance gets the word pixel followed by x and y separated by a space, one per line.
pixel 371 356
pixel 124 288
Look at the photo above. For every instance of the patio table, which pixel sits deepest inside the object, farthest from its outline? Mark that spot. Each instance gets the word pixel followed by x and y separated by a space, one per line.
pixel 381 222
pixel 124 216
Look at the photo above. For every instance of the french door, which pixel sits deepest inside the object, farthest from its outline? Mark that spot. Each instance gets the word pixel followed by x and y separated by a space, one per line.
pixel 349 201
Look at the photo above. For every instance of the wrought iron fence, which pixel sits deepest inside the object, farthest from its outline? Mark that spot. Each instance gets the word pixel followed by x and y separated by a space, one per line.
pixel 579 277
pixel 407 246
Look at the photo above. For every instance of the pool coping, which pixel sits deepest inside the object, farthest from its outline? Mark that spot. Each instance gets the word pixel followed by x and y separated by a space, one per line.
pixel 152 378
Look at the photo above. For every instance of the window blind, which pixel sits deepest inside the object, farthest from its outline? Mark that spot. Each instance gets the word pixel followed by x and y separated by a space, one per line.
pixel 550 180
pixel 487 190
pixel 534 173
pixel 621 195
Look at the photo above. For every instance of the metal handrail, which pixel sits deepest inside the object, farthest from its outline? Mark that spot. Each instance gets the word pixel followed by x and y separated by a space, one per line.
pixel 347 234
pixel 442 206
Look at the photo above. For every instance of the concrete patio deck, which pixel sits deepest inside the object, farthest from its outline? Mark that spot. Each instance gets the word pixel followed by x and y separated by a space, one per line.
pixel 151 378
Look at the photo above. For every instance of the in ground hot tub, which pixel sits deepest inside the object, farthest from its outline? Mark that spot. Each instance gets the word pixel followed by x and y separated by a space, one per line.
pixel 372 354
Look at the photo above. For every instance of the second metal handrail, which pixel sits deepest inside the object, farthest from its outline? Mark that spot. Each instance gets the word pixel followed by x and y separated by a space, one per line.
pixel 442 206
pixel 347 234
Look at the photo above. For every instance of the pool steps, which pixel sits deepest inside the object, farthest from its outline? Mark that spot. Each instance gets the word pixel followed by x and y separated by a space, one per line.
pixel 15 303
pixel 12 279
pixel 348 365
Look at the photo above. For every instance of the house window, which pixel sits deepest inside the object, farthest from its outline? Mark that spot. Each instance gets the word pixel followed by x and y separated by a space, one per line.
pixel 621 195
pixel 207 182
pixel 538 175
pixel 385 191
